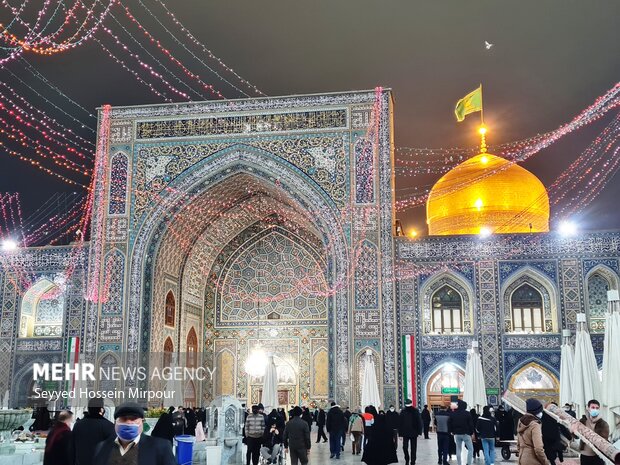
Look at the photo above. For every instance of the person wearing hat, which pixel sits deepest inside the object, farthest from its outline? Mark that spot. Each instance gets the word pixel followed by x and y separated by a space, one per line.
pixel 530 446
pixel 90 431
pixel 129 446
pixel 297 438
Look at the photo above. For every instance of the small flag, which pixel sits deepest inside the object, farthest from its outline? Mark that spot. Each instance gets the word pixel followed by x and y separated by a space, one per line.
pixel 471 103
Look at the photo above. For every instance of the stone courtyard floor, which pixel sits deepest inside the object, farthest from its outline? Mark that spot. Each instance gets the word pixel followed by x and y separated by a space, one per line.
pixel 426 455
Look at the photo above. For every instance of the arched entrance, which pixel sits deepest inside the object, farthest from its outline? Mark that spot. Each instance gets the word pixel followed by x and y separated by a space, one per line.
pixel 534 380
pixel 444 384
pixel 244 213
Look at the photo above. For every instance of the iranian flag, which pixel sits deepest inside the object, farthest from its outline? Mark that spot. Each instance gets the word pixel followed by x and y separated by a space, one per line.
pixel 73 357
pixel 409 378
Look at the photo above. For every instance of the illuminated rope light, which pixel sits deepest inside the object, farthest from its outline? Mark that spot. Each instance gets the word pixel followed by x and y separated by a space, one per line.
pixel 64 136
pixel 145 66
pixel 66 146
pixel 208 87
pixel 120 62
pixel 32 70
pixel 167 70
pixel 38 43
pixel 97 192
pixel 40 149
pixel 209 53
pixel 73 118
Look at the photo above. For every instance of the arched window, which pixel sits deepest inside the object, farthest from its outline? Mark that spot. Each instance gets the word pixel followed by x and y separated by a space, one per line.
pixel 527 310
pixel 168 349
pixel 42 310
pixel 191 358
pixel 447 311
pixel 170 309
pixel 598 286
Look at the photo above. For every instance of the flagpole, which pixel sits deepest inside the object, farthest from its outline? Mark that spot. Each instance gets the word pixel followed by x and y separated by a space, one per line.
pixel 481 107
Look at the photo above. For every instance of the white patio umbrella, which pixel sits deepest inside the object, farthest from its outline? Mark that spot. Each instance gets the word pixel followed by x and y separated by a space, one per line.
pixel 80 402
pixel 567 363
pixel 610 395
pixel 586 381
pixel 474 391
pixel 269 398
pixel 370 388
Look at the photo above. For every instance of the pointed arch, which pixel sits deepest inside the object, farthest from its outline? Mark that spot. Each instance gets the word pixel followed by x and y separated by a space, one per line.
pixel 42 310
pixel 461 286
pixel 542 284
pixel 597 282
pixel 168 351
pixel 448 373
pixel 118 184
pixel 534 379
pixel 170 315
pixel 191 356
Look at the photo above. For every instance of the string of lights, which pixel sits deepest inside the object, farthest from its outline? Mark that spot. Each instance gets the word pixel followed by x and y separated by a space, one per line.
pixel 208 87
pixel 204 49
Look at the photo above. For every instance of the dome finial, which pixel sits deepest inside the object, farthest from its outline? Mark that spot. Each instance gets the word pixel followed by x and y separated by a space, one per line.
pixel 482 130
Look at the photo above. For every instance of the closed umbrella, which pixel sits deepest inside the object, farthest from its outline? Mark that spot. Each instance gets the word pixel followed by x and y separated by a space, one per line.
pixel 370 388
pixel 567 363
pixel 610 395
pixel 586 381
pixel 474 392
pixel 269 398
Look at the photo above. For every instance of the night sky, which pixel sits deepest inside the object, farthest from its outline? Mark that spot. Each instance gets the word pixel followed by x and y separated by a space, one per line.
pixel 550 60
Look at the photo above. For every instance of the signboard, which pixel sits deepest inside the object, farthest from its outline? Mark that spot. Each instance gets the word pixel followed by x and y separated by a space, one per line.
pixel 492 391
pixel 450 390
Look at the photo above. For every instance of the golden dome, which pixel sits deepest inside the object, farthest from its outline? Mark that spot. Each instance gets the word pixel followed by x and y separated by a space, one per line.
pixel 487 194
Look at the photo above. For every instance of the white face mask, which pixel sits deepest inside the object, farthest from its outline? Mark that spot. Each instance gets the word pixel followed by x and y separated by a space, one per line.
pixel 392 409
pixel 539 415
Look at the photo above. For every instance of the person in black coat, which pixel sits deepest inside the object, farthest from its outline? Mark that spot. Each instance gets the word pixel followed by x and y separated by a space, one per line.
pixel 59 443
pixel 552 440
pixel 42 420
pixel 190 416
pixel 486 431
pixel 504 418
pixel 297 438
pixel 164 428
pixel 409 428
pixel 392 418
pixel 139 449
pixel 426 421
pixel 380 449
pixel 476 440
pixel 320 423
pixel 90 431
pixel 336 426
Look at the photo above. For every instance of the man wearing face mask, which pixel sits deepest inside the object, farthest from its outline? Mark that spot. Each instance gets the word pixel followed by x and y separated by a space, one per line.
pixel 391 418
pixel 129 446
pixel 592 419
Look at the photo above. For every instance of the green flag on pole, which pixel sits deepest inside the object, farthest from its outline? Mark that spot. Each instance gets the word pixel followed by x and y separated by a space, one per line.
pixel 471 103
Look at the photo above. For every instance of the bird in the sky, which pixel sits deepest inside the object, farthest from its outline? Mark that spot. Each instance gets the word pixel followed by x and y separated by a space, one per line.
pixel 487 45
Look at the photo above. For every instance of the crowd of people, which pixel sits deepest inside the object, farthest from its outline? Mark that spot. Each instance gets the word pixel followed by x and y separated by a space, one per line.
pixel 374 435
pixel 95 440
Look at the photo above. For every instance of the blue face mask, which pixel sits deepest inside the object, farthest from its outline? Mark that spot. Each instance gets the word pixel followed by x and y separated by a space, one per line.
pixel 127 431
pixel 594 412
